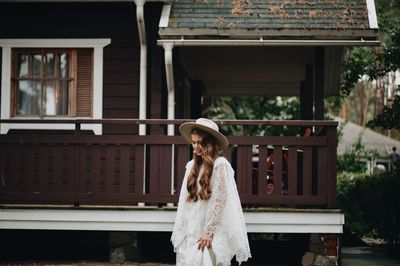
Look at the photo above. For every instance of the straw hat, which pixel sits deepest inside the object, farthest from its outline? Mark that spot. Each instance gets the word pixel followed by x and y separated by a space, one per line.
pixel 206 125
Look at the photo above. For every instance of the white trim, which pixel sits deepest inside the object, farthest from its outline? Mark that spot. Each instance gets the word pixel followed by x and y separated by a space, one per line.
pixel 96 44
pixel 163 220
pixel 143 64
pixel 373 21
pixel 165 16
pixel 55 43
pixel 262 42
pixel 77 1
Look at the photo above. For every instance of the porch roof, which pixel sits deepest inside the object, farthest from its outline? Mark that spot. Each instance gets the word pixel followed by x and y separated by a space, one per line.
pixel 279 19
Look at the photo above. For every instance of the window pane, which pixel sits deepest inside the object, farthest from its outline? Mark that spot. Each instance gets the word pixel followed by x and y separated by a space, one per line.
pixel 62 104
pixel 49 65
pixel 56 99
pixel 22 65
pixel 64 65
pixel 36 62
pixel 28 97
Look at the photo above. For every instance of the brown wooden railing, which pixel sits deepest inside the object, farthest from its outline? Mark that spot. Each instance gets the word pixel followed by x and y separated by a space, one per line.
pixel 79 169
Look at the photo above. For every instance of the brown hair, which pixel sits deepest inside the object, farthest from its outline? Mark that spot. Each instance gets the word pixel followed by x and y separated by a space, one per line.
pixel 207 161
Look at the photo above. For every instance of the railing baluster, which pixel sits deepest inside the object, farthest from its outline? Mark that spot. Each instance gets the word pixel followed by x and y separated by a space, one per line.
pixel 124 170
pixel 95 168
pixel 164 175
pixel 110 168
pixel 262 170
pixel 292 170
pixel 332 157
pixel 244 172
pixel 29 167
pixel 19 179
pixel 154 168
pixel 57 167
pixel 228 153
pixel 307 170
pixel 139 169
pixel 70 152
pixel 160 169
pixel 183 157
pixel 277 170
pixel 43 168
pixel 322 170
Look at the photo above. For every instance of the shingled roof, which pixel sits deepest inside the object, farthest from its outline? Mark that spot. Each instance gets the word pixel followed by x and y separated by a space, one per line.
pixel 330 19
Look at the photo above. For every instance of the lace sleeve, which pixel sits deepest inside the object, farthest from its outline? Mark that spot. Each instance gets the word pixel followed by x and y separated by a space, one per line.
pixel 179 230
pixel 218 197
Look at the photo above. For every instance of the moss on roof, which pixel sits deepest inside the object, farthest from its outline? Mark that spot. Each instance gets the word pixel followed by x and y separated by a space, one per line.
pixel 264 15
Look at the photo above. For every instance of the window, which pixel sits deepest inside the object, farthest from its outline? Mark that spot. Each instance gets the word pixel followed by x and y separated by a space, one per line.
pixel 44 82
pixel 51 79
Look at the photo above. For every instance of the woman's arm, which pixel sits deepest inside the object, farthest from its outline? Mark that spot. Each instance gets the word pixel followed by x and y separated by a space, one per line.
pixel 217 203
pixel 178 233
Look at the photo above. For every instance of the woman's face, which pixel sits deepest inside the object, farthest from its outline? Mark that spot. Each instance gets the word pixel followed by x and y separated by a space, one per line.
pixel 197 141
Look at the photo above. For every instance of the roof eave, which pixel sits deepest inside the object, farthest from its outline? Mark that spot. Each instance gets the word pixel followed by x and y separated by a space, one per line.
pixel 266 42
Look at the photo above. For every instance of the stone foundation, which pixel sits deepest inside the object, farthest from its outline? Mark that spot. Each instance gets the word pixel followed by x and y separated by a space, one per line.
pixel 123 247
pixel 323 250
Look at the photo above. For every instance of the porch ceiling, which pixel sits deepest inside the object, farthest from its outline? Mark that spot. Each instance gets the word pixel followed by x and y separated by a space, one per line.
pixel 256 71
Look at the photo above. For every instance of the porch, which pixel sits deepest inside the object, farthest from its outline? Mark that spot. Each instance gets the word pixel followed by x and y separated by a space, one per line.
pixel 75 168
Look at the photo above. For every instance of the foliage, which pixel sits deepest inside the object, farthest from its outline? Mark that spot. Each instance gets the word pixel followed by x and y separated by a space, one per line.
pixel 375 64
pixel 390 116
pixel 358 62
pixel 256 108
pixel 370 204
pixel 350 161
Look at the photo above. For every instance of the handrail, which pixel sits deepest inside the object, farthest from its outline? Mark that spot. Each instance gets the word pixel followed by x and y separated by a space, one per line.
pixel 171 122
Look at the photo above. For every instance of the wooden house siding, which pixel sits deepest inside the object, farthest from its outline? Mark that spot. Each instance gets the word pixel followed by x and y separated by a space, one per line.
pixel 121 58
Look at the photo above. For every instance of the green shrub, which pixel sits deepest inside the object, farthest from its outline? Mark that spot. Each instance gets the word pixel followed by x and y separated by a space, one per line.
pixel 371 204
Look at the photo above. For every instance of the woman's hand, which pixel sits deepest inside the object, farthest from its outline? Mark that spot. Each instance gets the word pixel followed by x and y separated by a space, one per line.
pixel 205 241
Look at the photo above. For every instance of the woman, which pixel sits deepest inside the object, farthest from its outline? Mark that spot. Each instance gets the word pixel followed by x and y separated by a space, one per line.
pixel 209 227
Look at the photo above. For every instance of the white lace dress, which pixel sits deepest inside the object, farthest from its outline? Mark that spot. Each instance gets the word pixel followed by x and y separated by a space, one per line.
pixel 221 215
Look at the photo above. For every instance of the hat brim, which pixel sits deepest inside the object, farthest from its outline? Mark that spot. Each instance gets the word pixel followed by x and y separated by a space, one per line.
pixel 186 131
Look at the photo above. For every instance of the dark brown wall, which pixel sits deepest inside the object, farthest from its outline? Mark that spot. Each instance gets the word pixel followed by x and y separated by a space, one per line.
pixel 121 58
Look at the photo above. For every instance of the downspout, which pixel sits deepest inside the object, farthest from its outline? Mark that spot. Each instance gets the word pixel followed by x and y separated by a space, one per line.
pixel 143 64
pixel 143 77
pixel 169 70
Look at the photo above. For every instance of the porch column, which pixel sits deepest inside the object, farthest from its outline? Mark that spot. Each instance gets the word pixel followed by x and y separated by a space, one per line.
pixel 195 99
pixel 319 93
pixel 306 94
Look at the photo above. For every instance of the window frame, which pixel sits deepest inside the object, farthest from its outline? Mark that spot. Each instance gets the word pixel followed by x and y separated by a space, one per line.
pixel 6 85
pixel 72 52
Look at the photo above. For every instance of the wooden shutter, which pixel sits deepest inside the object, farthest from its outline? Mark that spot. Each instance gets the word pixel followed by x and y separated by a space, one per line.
pixel 84 82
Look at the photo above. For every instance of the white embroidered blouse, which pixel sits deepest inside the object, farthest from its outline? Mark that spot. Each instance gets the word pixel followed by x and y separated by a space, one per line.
pixel 221 216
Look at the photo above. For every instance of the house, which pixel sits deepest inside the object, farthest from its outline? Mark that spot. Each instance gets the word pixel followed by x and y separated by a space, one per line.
pixel 377 146
pixel 92 93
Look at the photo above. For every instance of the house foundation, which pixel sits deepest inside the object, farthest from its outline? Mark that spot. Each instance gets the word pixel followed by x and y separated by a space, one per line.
pixel 324 250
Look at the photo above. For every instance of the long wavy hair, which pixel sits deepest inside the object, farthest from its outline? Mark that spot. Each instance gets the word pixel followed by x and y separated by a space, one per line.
pixel 207 161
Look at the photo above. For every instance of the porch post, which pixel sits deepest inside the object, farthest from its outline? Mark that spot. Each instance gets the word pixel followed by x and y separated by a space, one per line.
pixel 195 99
pixel 306 94
pixel 319 93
